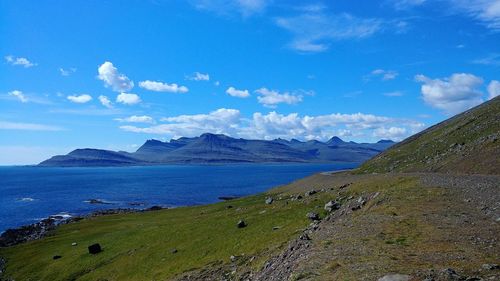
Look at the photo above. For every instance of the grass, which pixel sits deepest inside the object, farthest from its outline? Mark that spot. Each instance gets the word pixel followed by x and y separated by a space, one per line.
pixel 202 235
pixel 466 143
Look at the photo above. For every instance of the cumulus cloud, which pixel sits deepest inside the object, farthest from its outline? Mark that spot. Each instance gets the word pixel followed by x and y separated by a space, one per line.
pixel 392 133
pixel 128 99
pixel 84 98
pixel 19 61
pixel 453 94
pixel 271 98
pixel 19 95
pixel 162 87
pixel 237 93
pixel 112 78
pixel 197 76
pixel 136 119
pixel 494 89
pixel 275 125
pixel 314 30
pixel 105 101
pixel 384 75
pixel 67 72
pixel 27 126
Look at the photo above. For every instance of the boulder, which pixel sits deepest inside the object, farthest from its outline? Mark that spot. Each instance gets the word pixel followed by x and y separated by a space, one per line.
pixel 56 257
pixel 491 266
pixel 395 277
pixel 94 249
pixel 311 192
pixel 173 251
pixel 241 224
pixel 332 206
pixel 313 216
pixel 269 200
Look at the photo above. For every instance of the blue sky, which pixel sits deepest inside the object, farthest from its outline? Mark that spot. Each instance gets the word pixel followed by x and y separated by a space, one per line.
pixel 111 74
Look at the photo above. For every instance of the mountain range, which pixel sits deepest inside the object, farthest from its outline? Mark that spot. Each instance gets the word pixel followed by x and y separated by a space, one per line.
pixel 218 148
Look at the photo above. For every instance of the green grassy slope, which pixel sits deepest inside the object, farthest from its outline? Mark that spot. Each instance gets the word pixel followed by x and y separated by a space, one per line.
pixel 466 143
pixel 138 246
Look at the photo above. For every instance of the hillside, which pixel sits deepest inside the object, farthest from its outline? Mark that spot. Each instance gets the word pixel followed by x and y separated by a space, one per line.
pixel 212 148
pixel 467 143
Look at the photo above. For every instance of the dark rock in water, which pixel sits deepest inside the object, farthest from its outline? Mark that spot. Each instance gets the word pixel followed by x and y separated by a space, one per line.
pixel 56 257
pixel 26 233
pixel 332 206
pixel 97 201
pixel 136 204
pixel 173 251
pixel 95 249
pixel 313 216
pixel 227 198
pixel 155 208
pixel 269 200
pixel 241 224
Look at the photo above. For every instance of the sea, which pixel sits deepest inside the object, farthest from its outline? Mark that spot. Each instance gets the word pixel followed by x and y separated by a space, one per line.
pixel 29 194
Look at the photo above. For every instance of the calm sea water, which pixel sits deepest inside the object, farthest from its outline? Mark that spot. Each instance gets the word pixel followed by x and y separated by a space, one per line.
pixel 28 194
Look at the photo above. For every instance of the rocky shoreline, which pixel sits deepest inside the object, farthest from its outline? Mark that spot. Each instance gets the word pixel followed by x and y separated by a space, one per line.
pixel 38 230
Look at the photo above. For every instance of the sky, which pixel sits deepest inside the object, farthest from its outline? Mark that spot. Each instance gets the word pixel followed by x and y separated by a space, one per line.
pixel 112 74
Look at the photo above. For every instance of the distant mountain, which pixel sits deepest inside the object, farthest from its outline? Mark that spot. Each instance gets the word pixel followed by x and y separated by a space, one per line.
pixel 213 148
pixel 466 143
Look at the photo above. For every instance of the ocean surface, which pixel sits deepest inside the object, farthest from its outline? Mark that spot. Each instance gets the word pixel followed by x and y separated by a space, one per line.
pixel 29 194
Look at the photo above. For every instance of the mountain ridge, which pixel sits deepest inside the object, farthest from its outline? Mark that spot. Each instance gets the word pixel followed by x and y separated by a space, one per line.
pixel 219 148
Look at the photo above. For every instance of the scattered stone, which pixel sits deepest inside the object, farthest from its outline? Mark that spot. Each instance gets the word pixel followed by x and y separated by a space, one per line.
pixel 232 258
pixel 313 216
pixel 276 227
pixel 298 197
pixel 492 266
pixel 95 249
pixel 361 201
pixel 395 277
pixel 241 224
pixel 74 244
pixel 332 206
pixel 311 192
pixel 56 257
pixel 269 200
pixel 304 236
pixel 229 206
pixel 25 233
pixel 173 251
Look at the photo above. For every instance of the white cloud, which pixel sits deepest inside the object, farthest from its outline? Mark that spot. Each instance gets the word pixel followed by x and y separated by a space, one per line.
pixel 392 133
pixel 454 94
pixel 105 101
pixel 394 94
pixel 19 61
pixel 275 125
pixel 384 75
pixel 112 78
pixel 494 89
pixel 128 99
pixel 228 7
pixel 492 59
pixel 197 76
pixel 406 4
pixel 27 126
pixel 237 93
pixel 19 95
pixel 80 98
pixel 162 87
pixel 485 11
pixel 136 119
pixel 314 30
pixel 67 72
pixel 271 98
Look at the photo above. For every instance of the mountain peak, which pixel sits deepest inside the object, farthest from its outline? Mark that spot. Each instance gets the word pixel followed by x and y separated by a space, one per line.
pixel 385 141
pixel 335 140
